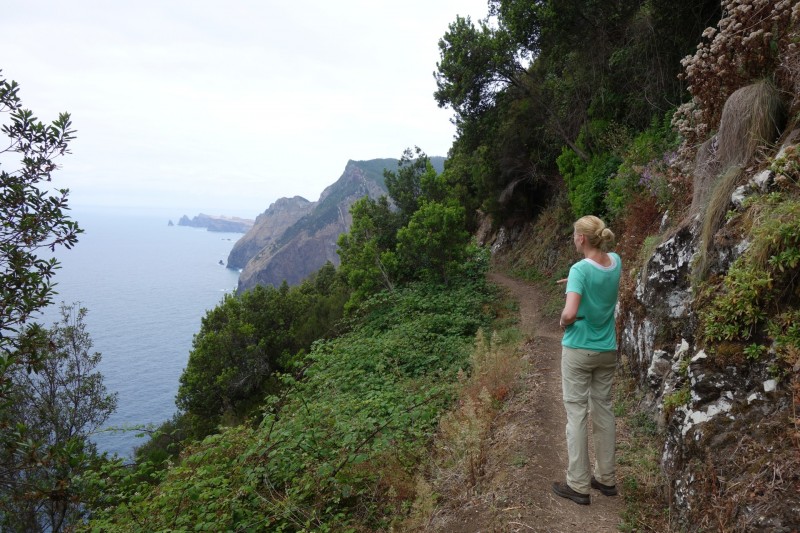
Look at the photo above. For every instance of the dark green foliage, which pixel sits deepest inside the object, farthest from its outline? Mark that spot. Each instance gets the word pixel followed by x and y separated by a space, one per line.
pixel 433 244
pixel 414 180
pixel 745 304
pixel 476 63
pixel 330 445
pixel 46 443
pixel 537 76
pixel 643 167
pixel 422 238
pixel 644 64
pixel 366 249
pixel 249 337
pixel 49 399
pixel 586 181
pixel 166 441
pixel 32 218
pixel 522 21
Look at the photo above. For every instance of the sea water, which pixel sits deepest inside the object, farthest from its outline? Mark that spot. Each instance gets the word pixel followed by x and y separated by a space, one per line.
pixel 146 286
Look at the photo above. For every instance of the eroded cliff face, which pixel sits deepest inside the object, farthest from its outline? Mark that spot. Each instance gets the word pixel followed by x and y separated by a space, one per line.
pixel 724 416
pixel 660 310
pixel 293 251
pixel 294 261
pixel 268 228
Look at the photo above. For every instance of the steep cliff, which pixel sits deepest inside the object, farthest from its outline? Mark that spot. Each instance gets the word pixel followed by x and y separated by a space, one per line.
pixel 269 227
pixel 306 245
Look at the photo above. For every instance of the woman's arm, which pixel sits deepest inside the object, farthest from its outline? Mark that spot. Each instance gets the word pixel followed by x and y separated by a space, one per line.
pixel 570 312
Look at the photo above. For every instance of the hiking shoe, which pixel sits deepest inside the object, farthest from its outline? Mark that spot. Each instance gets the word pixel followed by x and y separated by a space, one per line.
pixel 563 490
pixel 607 490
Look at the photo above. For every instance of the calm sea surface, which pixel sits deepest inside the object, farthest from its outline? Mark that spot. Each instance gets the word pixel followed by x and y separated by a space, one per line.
pixel 146 286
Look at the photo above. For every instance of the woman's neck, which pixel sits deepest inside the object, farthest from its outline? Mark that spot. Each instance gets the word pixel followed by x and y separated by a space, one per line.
pixel 598 256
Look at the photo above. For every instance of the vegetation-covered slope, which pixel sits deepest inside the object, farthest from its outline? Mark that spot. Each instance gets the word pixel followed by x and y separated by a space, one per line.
pixel 293 238
pixel 563 108
pixel 337 445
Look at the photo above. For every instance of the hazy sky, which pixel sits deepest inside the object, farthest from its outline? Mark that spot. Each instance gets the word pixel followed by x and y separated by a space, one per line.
pixel 223 107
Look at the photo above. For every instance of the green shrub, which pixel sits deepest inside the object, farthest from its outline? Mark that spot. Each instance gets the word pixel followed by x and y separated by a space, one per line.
pixel 765 274
pixel 586 180
pixel 738 309
pixel 247 338
pixel 338 447
pixel 676 399
pixel 434 243
pixel 784 330
pixel 753 352
pixel 645 166
pixel 787 166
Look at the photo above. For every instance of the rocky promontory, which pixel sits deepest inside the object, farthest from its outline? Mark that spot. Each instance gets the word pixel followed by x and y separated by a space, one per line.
pixel 295 237
pixel 218 223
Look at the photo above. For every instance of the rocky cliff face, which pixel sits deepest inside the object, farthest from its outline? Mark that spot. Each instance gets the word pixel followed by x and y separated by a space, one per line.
pixel 725 415
pixel 292 251
pixel 269 227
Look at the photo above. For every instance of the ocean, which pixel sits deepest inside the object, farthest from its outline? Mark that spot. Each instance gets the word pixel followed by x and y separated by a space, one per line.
pixel 146 285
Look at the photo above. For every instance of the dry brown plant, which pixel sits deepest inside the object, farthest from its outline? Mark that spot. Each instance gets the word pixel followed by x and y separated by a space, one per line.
pixel 706 169
pixel 639 450
pixel 752 41
pixel 752 470
pixel 714 215
pixel 751 119
pixel 458 451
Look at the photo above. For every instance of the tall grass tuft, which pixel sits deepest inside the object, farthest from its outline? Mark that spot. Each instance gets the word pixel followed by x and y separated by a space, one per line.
pixel 714 215
pixel 752 117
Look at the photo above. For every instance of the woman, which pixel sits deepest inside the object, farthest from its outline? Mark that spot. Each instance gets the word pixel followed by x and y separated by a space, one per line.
pixel 588 360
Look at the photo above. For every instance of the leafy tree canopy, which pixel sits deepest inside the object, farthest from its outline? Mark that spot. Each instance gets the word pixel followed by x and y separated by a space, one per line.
pixel 33 219
pixel 535 76
pixel 46 445
pixel 248 338
pixel 423 238
pixel 476 63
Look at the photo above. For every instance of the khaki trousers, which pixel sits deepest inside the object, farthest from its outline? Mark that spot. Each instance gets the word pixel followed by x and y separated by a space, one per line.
pixel 586 379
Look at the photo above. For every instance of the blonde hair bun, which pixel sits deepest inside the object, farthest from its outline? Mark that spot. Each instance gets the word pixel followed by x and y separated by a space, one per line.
pixel 596 232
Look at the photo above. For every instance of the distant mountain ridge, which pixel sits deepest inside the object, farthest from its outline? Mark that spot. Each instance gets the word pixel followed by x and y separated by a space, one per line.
pixel 294 237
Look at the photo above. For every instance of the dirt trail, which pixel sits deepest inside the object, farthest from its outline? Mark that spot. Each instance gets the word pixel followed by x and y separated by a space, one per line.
pixel 527 449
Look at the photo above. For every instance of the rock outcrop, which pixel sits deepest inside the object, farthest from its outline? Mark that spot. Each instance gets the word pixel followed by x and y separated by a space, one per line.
pixel 293 252
pixel 269 227
pixel 217 223
pixel 715 429
pixel 723 414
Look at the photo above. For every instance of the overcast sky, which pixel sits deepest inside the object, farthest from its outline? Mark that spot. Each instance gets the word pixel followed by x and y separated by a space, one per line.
pixel 224 107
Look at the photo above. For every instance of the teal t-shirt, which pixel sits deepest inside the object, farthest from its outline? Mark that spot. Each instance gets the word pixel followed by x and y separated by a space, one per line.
pixel 599 287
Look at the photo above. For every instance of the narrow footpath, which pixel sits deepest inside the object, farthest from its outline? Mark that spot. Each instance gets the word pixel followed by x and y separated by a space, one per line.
pixel 527 448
